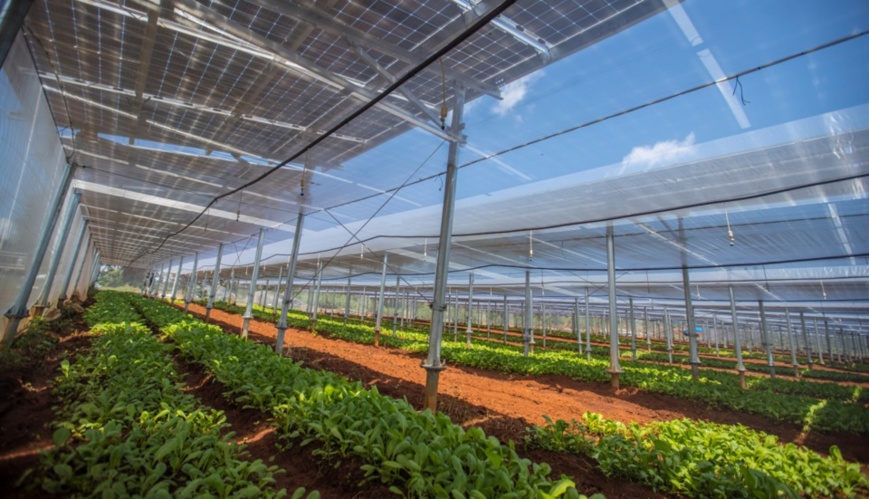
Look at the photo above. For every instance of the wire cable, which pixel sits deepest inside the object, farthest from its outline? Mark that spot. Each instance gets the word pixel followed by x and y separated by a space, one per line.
pixel 445 49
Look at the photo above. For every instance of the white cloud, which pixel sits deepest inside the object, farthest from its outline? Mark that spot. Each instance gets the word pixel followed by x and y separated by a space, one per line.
pixel 513 93
pixel 664 152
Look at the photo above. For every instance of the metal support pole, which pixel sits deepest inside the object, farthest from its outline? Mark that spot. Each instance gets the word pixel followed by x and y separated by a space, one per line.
pixel 691 327
pixel 714 332
pixel 69 215
pixel 315 303
pixel 191 284
pixel 528 329
pixel 75 283
pixel 646 330
pixel 633 329
pixel 829 342
pixel 668 332
pixel 740 367
pixel 432 364
pixel 248 313
pixel 160 279
pixel 395 309
pixel 347 300
pixel 806 340
pixel 405 316
pixel 506 318
pixel 18 310
pixel 66 280
pixel 177 278
pixel 214 281
pixel 614 368
pixel 764 336
pixel 790 330
pixel 576 329
pixel 470 309
pixel 456 316
pixel 96 270
pixel 489 318
pixel 288 291
pixel 379 319
pixel 587 325
pixel 265 294
pixel 277 293
pixel 844 352
pixel 166 280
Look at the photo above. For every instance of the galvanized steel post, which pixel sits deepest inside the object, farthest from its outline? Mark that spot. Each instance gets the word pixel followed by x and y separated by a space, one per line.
pixel 506 318
pixel 177 278
pixel 433 364
pixel 315 305
pixel 191 284
pixel 633 329
pixel 614 368
pixel 576 330
pixel 166 280
pixel 764 336
pixel 470 308
pixel 347 300
pixel 794 363
pixel 69 270
pixel 72 291
pixel 214 281
pixel 69 215
pixel 528 330
pixel 396 307
pixel 277 293
pixel 248 313
pixel 287 302
pixel 668 333
pixel 806 340
pixel 381 295
pixel 740 367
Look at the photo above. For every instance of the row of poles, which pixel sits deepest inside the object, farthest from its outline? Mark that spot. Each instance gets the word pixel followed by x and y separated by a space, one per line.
pixel 76 266
pixel 554 314
pixel 405 309
pixel 439 303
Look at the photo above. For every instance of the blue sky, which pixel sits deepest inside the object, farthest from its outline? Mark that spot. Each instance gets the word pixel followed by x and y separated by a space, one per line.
pixel 696 43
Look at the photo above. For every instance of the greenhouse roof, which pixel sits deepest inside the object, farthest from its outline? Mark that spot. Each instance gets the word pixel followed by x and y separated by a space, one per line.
pixel 726 137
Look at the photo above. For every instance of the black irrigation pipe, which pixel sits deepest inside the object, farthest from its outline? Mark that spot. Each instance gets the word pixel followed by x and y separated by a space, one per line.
pixel 464 35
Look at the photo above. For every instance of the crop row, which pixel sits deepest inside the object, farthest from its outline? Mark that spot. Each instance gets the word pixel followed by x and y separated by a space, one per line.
pixel 125 428
pixel 812 405
pixel 699 459
pixel 418 454
pixel 784 384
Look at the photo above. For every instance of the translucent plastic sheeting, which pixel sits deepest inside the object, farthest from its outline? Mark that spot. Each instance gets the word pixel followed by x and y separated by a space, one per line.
pixel 722 137
pixel 31 168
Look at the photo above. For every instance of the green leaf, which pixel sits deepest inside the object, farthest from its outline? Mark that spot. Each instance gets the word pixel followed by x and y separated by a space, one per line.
pixel 64 471
pixel 61 436
pixel 165 449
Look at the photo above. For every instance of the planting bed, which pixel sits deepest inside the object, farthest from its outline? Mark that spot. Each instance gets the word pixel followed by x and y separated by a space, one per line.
pixel 525 398
pixel 502 405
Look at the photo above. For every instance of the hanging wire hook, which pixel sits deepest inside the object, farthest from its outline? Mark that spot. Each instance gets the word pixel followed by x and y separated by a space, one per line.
pixel 738 86
pixel 729 230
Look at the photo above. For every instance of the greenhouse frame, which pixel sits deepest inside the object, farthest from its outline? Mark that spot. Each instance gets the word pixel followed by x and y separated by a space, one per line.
pixel 649 171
